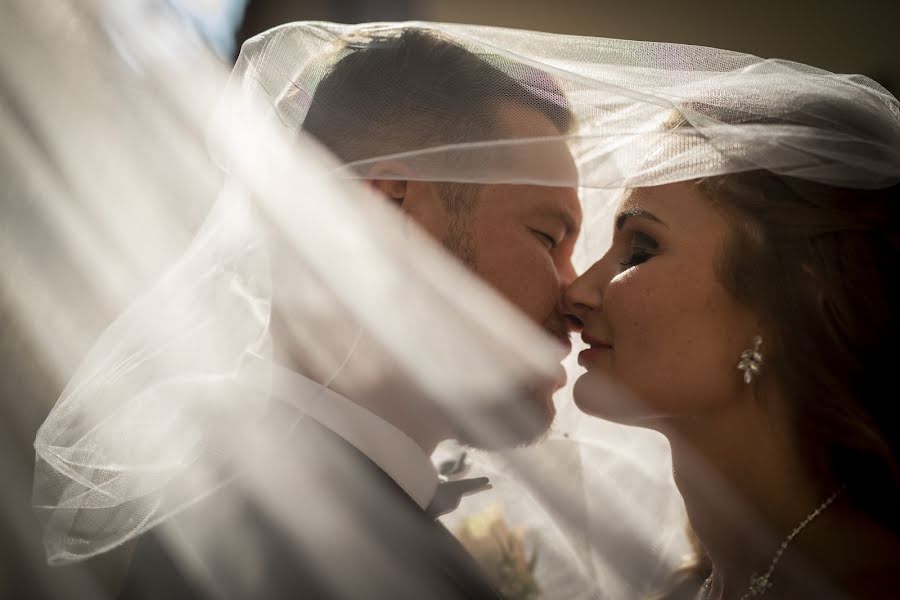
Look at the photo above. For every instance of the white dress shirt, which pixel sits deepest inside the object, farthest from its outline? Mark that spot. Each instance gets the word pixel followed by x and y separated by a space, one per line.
pixel 385 445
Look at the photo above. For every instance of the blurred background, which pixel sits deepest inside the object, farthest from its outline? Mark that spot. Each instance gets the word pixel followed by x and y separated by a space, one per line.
pixel 848 37
pixel 837 35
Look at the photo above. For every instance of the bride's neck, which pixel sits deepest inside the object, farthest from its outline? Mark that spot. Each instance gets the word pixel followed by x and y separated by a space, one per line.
pixel 744 488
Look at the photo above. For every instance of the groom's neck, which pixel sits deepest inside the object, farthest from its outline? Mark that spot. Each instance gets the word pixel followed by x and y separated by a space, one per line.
pixel 416 417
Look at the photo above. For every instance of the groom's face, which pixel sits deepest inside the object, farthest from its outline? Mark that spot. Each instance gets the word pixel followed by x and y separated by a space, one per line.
pixel 519 239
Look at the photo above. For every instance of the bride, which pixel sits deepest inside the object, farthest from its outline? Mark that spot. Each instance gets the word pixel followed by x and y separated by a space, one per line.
pixel 754 317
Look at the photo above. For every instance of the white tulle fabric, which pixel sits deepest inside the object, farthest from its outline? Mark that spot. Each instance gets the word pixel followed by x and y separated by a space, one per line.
pixel 745 112
pixel 148 423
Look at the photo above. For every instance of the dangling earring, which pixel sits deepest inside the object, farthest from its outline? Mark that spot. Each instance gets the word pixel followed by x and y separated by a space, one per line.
pixel 751 360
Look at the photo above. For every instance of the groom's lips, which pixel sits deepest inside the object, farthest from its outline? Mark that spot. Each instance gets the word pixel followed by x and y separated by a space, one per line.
pixel 565 349
pixel 566 344
pixel 561 335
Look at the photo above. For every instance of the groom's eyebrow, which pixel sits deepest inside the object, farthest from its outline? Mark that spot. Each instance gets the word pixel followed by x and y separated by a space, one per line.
pixel 564 216
pixel 635 212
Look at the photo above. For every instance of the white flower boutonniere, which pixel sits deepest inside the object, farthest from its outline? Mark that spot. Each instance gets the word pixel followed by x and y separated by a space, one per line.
pixel 501 552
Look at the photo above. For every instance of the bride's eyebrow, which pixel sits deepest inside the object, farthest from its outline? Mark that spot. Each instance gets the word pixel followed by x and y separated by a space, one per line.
pixel 636 212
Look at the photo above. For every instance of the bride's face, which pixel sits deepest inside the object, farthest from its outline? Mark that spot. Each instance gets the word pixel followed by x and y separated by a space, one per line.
pixel 656 317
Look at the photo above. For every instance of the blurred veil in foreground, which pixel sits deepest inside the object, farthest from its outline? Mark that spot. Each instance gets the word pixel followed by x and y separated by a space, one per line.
pixel 111 108
pixel 106 139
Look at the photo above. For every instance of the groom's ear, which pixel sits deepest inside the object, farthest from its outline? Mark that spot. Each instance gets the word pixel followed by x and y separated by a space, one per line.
pixel 420 201
pixel 390 179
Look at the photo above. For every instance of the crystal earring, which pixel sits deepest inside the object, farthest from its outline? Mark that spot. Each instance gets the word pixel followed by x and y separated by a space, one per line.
pixel 751 360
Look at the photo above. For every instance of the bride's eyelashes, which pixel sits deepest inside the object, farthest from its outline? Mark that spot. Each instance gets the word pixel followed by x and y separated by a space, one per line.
pixel 642 248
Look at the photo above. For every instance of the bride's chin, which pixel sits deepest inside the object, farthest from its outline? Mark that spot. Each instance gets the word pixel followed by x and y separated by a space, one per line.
pixel 601 396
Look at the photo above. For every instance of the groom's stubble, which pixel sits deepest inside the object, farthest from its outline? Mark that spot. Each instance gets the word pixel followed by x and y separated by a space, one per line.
pixel 460 200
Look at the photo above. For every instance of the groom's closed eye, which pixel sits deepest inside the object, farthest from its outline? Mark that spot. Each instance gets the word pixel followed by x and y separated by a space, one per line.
pixel 545 238
pixel 557 222
pixel 552 230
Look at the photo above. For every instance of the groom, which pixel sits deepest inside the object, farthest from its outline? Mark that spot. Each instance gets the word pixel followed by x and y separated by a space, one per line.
pixel 373 495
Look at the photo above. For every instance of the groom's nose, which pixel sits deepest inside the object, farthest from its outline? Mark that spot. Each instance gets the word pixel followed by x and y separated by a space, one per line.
pixel 571 309
pixel 567 276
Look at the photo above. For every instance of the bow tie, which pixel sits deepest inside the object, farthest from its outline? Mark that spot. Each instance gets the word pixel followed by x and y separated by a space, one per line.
pixel 449 494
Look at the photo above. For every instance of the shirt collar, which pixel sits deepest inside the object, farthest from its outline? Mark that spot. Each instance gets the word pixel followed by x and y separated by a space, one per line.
pixel 386 445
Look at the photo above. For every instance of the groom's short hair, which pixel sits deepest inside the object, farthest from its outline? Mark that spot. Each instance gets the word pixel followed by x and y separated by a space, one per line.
pixel 394 93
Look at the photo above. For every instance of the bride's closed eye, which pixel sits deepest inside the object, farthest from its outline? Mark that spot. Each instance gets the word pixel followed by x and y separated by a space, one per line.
pixel 642 247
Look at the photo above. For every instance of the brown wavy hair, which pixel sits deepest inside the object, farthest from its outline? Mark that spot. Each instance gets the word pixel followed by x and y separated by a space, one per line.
pixel 819 264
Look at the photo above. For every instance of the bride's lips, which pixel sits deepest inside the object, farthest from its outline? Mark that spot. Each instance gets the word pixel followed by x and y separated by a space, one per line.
pixel 596 349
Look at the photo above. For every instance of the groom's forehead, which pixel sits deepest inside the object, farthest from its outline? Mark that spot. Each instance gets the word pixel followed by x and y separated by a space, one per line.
pixel 520 119
pixel 562 205
pixel 558 203
pixel 543 153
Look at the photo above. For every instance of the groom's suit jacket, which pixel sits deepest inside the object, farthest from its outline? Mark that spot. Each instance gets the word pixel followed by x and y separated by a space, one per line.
pixel 357 534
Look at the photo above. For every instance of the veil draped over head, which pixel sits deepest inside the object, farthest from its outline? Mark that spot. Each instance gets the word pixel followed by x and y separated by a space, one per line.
pixel 171 402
